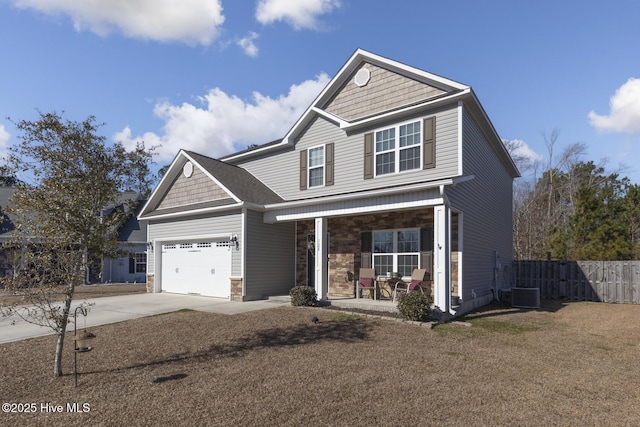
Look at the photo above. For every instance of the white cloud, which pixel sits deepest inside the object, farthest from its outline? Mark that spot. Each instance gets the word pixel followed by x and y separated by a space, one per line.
pixel 625 110
pixel 300 14
pixel 523 155
pixel 223 124
pixel 247 44
pixel 188 21
pixel 4 139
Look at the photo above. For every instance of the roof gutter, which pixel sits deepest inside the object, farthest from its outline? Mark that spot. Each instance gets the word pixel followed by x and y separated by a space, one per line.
pixel 216 209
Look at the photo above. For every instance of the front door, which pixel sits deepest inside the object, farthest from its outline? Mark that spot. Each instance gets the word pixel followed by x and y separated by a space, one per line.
pixel 311 260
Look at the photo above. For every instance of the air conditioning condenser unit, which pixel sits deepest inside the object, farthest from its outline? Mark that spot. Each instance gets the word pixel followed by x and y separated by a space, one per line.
pixel 525 297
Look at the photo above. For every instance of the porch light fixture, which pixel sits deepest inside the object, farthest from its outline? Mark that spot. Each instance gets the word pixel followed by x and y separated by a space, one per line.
pixel 234 240
pixel 82 340
pixel 150 246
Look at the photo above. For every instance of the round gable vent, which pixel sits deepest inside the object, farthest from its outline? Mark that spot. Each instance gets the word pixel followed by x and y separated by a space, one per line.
pixel 187 169
pixel 362 77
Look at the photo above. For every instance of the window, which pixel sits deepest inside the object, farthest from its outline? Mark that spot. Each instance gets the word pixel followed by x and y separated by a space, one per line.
pixel 316 166
pixel 140 259
pixel 397 149
pixel 396 251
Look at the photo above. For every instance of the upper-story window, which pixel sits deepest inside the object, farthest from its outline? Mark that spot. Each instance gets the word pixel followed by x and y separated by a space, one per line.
pixel 404 147
pixel 398 148
pixel 316 166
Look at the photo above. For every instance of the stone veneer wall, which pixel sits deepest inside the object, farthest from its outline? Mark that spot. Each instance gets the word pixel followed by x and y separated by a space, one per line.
pixel 344 246
pixel 150 282
pixel 236 289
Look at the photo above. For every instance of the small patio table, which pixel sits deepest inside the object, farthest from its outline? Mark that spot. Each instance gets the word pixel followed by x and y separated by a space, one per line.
pixel 386 285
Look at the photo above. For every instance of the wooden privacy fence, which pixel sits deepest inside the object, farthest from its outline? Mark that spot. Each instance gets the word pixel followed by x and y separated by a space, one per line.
pixel 605 281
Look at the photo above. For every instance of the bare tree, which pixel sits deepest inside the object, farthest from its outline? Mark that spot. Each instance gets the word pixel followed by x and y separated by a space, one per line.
pixel 70 176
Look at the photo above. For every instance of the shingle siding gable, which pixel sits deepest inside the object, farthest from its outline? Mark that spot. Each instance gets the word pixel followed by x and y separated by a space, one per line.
pixel 385 91
pixel 237 180
pixel 186 191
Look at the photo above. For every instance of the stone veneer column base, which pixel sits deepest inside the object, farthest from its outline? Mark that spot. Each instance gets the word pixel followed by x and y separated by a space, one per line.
pixel 150 283
pixel 236 289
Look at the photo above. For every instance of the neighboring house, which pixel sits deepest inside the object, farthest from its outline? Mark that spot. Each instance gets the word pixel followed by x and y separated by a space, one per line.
pixel 391 167
pixel 132 239
pixel 131 236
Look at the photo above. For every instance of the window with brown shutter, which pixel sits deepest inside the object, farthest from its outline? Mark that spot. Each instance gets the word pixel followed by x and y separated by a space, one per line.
pixel 303 170
pixel 317 166
pixel 365 249
pixel 368 156
pixel 328 163
pixel 429 143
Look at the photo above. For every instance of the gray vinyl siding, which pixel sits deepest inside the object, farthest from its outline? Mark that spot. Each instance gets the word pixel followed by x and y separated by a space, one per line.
pixel 281 171
pixel 270 262
pixel 192 227
pixel 486 203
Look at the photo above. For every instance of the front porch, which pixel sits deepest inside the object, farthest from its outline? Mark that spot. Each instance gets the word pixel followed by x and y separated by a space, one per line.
pixel 351 245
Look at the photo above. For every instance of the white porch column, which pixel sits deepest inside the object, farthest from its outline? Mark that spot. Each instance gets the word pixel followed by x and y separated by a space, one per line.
pixel 322 258
pixel 442 257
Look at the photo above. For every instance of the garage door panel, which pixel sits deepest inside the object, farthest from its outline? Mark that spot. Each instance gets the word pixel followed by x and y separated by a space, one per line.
pixel 201 268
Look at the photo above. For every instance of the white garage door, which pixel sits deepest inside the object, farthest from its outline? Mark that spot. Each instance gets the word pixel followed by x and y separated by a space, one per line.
pixel 197 268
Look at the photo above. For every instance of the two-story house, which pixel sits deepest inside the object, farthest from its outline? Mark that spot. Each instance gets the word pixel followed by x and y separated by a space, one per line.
pixel 391 167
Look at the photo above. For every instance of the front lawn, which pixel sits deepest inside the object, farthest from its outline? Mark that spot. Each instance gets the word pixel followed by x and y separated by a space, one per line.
pixel 568 364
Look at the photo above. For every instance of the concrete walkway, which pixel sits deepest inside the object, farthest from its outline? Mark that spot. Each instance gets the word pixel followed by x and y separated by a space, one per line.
pixel 125 307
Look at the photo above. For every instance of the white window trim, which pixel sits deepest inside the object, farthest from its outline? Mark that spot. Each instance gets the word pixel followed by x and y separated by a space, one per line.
pixel 397 148
pixel 137 263
pixel 395 252
pixel 322 165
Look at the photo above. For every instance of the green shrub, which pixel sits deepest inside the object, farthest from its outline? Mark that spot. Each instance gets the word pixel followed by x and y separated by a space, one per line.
pixel 303 296
pixel 415 306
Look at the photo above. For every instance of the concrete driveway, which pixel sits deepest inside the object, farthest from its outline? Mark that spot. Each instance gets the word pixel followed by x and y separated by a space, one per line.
pixel 119 308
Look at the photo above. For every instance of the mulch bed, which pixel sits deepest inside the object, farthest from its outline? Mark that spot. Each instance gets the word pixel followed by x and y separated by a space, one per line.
pixel 379 313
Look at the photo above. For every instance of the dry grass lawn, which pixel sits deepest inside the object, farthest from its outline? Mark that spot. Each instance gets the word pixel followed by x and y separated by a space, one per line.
pixel 85 292
pixel 567 364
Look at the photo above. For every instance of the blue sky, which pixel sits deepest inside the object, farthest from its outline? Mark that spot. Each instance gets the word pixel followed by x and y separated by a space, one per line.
pixel 216 75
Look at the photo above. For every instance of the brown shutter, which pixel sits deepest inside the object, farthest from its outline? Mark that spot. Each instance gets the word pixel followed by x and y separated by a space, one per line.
pixel 368 156
pixel 366 240
pixel 429 143
pixel 328 164
pixel 426 251
pixel 132 265
pixel 303 170
pixel 426 238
